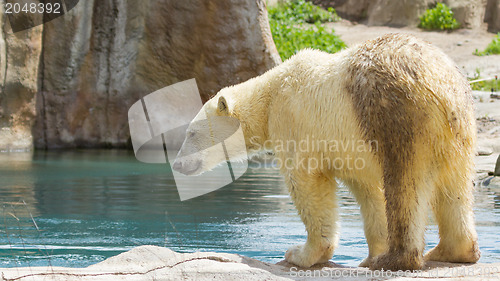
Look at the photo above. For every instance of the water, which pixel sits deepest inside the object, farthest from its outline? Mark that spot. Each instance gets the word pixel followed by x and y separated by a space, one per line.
pixel 78 208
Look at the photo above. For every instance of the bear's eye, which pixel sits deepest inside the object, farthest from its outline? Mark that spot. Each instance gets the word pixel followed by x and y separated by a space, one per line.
pixel 191 134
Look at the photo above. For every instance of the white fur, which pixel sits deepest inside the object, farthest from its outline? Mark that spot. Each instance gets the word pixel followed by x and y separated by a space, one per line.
pixel 304 98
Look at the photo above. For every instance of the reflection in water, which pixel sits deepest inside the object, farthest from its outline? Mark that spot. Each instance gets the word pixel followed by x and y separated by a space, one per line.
pixel 90 205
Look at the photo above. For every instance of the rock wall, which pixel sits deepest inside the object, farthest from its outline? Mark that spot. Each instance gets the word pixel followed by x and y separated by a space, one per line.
pixel 396 13
pixel 70 82
pixel 493 15
pixel 470 13
pixel 19 64
pixel 379 12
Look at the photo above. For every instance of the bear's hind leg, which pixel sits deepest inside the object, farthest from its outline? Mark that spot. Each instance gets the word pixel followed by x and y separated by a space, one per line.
pixel 452 207
pixel 372 205
pixel 407 198
pixel 315 199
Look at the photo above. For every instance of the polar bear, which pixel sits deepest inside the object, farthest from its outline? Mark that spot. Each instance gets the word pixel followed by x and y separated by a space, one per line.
pixel 392 118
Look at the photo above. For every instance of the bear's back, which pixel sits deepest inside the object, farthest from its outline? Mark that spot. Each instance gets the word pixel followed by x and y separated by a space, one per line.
pixel 406 92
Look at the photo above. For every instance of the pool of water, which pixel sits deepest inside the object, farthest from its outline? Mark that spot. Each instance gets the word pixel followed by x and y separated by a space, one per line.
pixel 77 208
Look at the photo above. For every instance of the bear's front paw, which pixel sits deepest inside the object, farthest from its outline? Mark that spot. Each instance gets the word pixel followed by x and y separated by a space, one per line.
pixel 397 261
pixel 469 254
pixel 305 256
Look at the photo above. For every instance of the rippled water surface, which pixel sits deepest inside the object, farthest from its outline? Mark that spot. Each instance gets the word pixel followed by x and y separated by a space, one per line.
pixel 80 207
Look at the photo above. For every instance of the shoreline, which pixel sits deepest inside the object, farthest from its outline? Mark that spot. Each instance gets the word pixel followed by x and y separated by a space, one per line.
pixel 158 263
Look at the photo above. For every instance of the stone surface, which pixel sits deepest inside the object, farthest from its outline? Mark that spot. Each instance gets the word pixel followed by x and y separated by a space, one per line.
pixel 350 10
pixel 396 13
pixel 156 263
pixel 492 16
pixel 484 151
pixel 107 54
pixel 90 65
pixel 496 173
pixel 19 64
pixel 485 165
pixel 379 12
pixel 488 120
pixel 469 13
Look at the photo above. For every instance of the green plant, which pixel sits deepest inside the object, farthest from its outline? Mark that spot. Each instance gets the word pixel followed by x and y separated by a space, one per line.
pixel 438 18
pixel 289 39
pixel 492 48
pixel 300 11
pixel 477 73
pixel 487 85
pixel 291 30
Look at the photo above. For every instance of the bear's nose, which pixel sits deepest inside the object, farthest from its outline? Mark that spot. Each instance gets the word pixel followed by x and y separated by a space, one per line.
pixel 177 166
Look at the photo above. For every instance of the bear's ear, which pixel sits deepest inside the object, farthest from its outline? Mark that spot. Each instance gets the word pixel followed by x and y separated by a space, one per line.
pixel 222 108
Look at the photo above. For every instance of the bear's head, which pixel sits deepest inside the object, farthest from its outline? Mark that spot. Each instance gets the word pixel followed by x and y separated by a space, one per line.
pixel 209 137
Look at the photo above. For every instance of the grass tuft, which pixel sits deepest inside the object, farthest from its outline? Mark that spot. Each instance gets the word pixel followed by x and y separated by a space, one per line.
pixel 297 24
pixel 492 49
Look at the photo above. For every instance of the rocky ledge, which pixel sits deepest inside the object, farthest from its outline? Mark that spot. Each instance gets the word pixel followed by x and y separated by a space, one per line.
pixel 157 263
pixel 488 145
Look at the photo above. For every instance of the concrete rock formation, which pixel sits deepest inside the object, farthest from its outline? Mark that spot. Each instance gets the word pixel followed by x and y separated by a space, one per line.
pixel 493 15
pixel 19 64
pixel 384 12
pixel 71 81
pixel 469 13
pixel 156 263
pixel 496 173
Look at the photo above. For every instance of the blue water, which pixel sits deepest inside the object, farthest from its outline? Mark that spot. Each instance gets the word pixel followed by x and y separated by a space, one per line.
pixel 77 208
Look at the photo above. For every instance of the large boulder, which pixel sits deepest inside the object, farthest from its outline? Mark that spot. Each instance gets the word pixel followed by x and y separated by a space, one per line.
pixel 379 12
pixel 492 16
pixel 352 10
pixel 396 13
pixel 469 13
pixel 157 263
pixel 102 56
pixel 19 65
